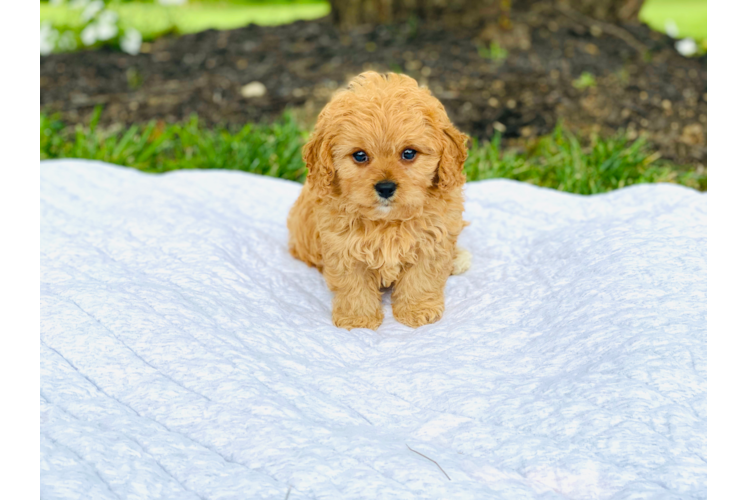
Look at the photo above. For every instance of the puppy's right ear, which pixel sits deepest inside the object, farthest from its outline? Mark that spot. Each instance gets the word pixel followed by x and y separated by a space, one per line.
pixel 318 158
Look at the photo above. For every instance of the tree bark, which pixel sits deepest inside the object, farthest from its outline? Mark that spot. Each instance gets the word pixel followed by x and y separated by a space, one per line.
pixel 350 13
pixel 469 13
pixel 612 11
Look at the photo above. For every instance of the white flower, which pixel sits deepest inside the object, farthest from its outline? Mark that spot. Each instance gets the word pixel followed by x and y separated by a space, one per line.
pixel 67 42
pixel 106 25
pixel 131 41
pixel 172 2
pixel 47 39
pixel 91 10
pixel 103 28
pixel 686 47
pixel 671 28
pixel 106 31
pixel 109 17
pixel 89 35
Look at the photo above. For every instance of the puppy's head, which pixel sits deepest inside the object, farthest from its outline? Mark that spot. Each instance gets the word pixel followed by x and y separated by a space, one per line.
pixel 384 146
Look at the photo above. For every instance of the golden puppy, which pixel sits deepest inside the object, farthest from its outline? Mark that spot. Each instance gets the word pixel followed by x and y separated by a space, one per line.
pixel 382 204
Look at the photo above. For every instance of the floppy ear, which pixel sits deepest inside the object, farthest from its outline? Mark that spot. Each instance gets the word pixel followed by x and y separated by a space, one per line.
pixel 318 158
pixel 449 172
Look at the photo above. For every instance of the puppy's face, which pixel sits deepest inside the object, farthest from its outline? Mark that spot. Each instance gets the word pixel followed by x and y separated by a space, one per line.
pixel 382 145
pixel 385 159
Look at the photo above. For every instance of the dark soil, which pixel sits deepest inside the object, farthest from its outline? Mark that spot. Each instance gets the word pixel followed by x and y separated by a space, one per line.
pixel 655 91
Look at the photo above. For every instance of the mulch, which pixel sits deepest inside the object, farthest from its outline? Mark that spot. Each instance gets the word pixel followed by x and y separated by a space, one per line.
pixel 641 84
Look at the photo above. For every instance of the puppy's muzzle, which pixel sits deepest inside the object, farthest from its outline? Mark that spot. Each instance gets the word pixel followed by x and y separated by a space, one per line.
pixel 385 189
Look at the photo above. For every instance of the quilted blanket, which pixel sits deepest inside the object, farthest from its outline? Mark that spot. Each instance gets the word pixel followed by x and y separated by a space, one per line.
pixel 186 355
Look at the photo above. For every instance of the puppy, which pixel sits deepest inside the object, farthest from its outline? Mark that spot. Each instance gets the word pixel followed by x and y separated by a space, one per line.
pixel 382 203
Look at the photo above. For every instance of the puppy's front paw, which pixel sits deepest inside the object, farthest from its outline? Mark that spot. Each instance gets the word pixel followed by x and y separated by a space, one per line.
pixel 349 321
pixel 461 261
pixel 418 314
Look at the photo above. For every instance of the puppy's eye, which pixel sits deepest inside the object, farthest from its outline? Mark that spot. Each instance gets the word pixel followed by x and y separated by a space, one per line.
pixel 360 157
pixel 408 154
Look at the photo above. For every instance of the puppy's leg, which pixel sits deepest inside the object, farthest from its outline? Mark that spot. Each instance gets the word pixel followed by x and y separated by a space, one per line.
pixel 418 297
pixel 303 234
pixel 462 261
pixel 358 301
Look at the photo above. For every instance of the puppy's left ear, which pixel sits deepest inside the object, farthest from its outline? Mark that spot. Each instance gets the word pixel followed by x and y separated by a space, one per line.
pixel 454 153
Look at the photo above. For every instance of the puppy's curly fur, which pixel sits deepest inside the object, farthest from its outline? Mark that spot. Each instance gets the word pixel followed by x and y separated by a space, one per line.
pixel 362 241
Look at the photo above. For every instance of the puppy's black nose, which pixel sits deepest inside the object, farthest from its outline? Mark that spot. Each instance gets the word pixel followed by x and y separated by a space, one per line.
pixel 385 189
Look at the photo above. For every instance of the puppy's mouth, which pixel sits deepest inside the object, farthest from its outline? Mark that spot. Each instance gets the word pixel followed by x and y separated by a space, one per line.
pixel 384 203
pixel 384 208
pixel 381 208
pixel 388 209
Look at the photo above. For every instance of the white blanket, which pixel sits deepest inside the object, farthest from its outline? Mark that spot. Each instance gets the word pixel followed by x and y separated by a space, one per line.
pixel 185 354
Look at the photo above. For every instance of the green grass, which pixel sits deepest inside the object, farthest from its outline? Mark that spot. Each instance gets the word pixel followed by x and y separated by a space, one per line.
pixel 559 160
pixel 494 52
pixel 273 150
pixel 720 24
pixel 562 161
pixel 585 80
pixel 153 20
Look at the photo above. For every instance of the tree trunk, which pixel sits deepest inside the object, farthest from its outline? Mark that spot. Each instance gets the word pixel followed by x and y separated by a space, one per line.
pixel 349 13
pixel 612 11
pixel 468 13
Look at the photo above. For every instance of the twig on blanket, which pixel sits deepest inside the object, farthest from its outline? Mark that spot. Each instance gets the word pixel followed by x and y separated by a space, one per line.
pixel 427 458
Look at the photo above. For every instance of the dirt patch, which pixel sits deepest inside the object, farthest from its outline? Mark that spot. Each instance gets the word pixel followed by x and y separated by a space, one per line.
pixel 552 67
